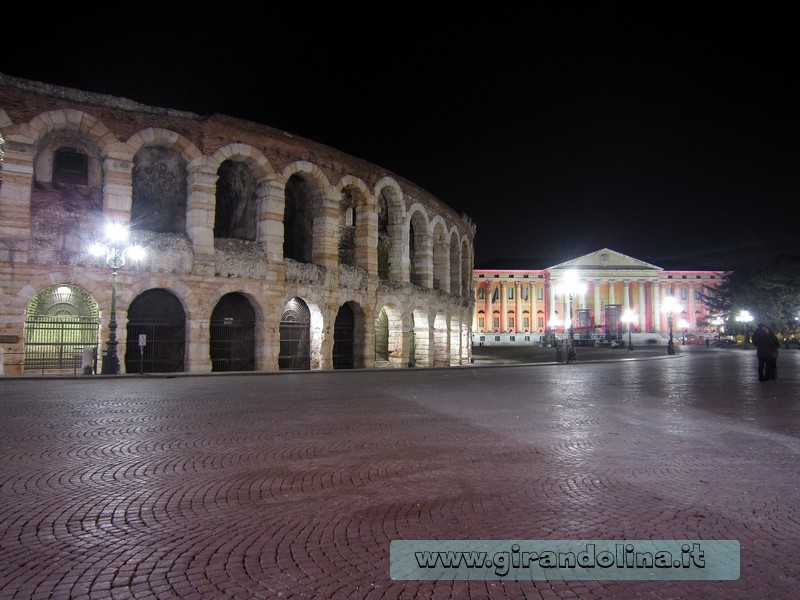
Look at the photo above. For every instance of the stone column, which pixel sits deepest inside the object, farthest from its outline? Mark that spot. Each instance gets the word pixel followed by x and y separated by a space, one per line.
pixel 200 214
pixel 271 204
pixel 325 231
pixel 198 353
pixel 15 196
pixel 691 319
pixel 518 310
pixel 611 292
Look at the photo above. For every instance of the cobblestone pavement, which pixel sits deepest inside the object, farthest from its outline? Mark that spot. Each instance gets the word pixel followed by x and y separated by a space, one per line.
pixel 291 485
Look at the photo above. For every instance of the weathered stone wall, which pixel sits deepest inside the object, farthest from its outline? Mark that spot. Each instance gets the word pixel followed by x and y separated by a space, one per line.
pixel 140 156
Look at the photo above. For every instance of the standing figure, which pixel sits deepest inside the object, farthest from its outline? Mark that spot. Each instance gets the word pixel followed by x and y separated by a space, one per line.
pixel 767 344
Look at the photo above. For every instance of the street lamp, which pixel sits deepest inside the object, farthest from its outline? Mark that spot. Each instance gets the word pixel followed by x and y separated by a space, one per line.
pixel 571 286
pixel 630 318
pixel 684 326
pixel 745 317
pixel 670 306
pixel 115 256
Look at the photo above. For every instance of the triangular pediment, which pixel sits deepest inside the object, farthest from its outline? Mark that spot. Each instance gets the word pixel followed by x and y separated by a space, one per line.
pixel 606 260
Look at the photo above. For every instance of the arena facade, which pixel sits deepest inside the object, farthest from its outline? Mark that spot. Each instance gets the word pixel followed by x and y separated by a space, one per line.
pixel 528 305
pixel 264 250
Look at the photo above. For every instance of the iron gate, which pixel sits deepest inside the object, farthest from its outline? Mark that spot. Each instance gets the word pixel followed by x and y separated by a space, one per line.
pixel 295 350
pixel 164 348
pixel 233 342
pixel 58 342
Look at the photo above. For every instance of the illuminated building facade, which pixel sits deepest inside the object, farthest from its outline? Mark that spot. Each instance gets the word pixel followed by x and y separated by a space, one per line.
pixel 265 251
pixel 529 302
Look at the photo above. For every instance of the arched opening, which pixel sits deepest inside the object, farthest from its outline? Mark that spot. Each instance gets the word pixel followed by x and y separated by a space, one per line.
pixel 414 269
pixel 159 191
pixel 159 316
pixel 382 336
pixel 347 229
pixel 384 239
pixel 235 214
pixel 295 332
pixel 61 321
pixel 298 220
pixel 233 337
pixel 344 338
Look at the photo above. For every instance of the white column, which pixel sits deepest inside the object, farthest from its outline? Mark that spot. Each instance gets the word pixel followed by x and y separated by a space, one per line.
pixel 503 308
pixel 626 301
pixel 692 324
pixel 642 307
pixel 611 295
pixel 597 315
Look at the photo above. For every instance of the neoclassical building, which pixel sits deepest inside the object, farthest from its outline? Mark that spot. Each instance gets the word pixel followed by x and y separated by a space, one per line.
pixel 264 251
pixel 532 302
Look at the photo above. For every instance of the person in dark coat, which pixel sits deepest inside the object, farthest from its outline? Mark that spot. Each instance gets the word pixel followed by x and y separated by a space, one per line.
pixel 767 344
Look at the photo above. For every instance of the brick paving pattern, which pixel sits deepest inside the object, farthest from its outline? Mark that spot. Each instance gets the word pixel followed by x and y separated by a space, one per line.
pixel 292 485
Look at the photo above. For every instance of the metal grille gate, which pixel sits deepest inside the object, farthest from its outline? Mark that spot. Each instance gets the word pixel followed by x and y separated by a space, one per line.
pixel 233 342
pixel 295 351
pixel 164 349
pixel 58 342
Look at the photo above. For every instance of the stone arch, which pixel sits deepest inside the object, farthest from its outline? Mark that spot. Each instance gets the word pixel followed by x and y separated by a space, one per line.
pixel 357 222
pixel 466 268
pixel 441 261
pixel 419 249
pixel 60 322
pixel 391 230
pixel 306 235
pixel 301 332
pixel 162 162
pixel 158 314
pixel 241 193
pixel 232 339
pixel 454 254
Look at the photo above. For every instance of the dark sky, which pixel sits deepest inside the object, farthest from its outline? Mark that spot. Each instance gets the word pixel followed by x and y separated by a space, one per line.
pixel 670 138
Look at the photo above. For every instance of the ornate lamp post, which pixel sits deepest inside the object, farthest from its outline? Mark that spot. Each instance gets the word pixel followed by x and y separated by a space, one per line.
pixel 745 317
pixel 571 286
pixel 684 326
pixel 630 318
pixel 669 306
pixel 115 256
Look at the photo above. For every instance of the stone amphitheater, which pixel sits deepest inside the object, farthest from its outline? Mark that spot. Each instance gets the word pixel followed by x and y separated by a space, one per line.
pixel 263 250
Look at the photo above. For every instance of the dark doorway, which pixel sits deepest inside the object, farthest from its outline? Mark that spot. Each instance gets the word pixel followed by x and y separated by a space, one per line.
pixel 233 338
pixel 295 330
pixel 343 337
pixel 159 316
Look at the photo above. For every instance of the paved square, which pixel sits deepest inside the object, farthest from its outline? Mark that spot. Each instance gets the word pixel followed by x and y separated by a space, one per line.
pixel 292 485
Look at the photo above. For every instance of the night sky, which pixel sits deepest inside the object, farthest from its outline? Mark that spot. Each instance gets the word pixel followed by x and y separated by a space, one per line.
pixel 673 140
